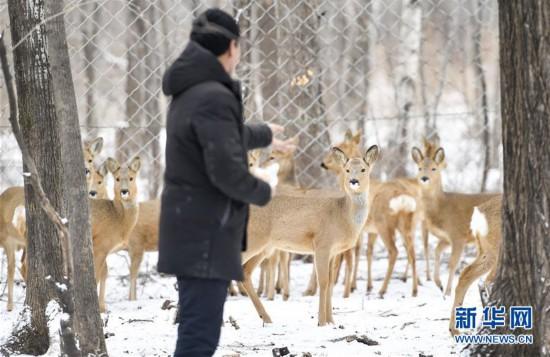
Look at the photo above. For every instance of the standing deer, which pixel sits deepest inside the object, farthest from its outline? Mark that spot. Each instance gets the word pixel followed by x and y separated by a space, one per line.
pixel 10 237
pixel 325 226
pixel 447 214
pixel 113 220
pixel 485 226
pixel 394 208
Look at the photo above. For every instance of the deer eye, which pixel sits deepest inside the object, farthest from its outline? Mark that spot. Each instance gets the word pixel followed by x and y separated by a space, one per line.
pixel 131 179
pixel 347 171
pixel 271 158
pixel 117 179
pixel 363 170
pixel 433 169
pixel 99 183
pixel 90 161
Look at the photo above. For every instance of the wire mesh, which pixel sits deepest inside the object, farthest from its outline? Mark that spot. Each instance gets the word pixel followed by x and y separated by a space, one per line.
pixel 397 69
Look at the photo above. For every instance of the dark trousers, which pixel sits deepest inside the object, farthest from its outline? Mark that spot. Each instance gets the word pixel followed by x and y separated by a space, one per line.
pixel 201 316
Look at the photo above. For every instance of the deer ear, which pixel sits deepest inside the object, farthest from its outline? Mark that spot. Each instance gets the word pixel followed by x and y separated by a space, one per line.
pixel 371 155
pixel 417 155
pixel 439 156
pixel 102 170
pixel 135 164
pixel 112 165
pixel 340 157
pixel 96 145
pixel 348 136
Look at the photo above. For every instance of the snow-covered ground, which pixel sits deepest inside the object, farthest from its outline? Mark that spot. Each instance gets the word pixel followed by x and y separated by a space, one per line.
pixel 402 325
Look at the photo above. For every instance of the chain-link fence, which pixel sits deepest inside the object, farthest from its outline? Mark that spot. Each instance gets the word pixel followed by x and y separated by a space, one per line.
pixel 398 69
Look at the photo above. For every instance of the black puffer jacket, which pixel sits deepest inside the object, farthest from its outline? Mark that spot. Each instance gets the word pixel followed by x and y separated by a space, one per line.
pixel 207 186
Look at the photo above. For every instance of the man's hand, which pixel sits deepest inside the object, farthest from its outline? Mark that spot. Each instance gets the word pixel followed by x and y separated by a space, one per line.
pixel 287 145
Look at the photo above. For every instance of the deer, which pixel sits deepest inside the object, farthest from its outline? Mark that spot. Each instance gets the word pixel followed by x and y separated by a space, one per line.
pixel 322 225
pixel 90 150
pixel 10 237
pixel 113 220
pixel 280 260
pixel 447 214
pixel 351 147
pixel 485 226
pixel 394 207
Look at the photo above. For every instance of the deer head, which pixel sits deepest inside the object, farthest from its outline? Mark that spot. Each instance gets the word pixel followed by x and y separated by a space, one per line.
pixel 429 163
pixel 97 186
pixel 351 146
pixel 355 171
pixel 125 179
pixel 91 150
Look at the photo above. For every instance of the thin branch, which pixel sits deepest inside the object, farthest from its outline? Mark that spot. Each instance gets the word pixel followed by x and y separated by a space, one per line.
pixel 28 161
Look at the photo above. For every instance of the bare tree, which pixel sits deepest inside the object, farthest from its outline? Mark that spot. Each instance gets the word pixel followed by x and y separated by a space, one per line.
pixel 90 17
pixel 481 86
pixel 524 269
pixel 45 91
pixel 406 73
pixel 143 81
pixel 302 105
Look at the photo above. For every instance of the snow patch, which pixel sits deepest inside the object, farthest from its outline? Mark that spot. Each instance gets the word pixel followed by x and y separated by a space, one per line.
pixel 478 224
pixel 403 203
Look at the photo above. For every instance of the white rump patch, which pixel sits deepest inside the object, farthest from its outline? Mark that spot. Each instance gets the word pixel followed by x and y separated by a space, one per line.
pixel 402 203
pixel 478 224
pixel 18 216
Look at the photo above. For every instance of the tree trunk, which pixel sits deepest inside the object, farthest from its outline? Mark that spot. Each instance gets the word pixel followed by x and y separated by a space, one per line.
pixel 523 274
pixel 82 285
pixel 37 116
pixel 303 107
pixel 151 92
pixel 407 72
pixel 482 107
pixel 129 138
pixel 90 17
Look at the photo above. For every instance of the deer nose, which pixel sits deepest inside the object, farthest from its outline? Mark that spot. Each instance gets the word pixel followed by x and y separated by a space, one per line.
pixel 354 181
pixel 424 179
pixel 324 166
pixel 124 192
pixel 93 193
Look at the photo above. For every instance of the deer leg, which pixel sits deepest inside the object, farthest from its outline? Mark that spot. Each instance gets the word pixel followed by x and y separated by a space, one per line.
pixel 284 272
pixel 248 268
pixel 357 257
pixel 441 245
pixel 456 251
pixel 338 260
pixel 348 255
pixel 388 237
pixel 273 261
pixel 312 285
pixel 322 267
pixel 102 286
pixel 411 258
pixel 472 272
pixel 328 305
pixel 99 266
pixel 136 257
pixel 425 236
pixel 10 255
pixel 263 277
pixel 370 249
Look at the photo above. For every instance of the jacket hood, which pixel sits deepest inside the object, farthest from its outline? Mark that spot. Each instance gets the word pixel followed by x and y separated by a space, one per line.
pixel 194 66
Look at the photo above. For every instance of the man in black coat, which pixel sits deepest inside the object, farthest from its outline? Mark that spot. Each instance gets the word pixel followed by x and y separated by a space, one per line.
pixel 207 185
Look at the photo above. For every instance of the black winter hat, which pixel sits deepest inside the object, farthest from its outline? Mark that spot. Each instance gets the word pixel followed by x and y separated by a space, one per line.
pixel 214 29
